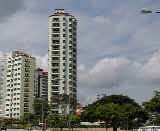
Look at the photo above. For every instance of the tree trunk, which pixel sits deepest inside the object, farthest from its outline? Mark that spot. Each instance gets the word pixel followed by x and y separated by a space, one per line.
pixel 114 128
pixel 106 126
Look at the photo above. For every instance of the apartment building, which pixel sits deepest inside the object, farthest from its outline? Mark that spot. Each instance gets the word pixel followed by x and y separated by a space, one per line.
pixel 17 83
pixel 62 62
pixel 41 84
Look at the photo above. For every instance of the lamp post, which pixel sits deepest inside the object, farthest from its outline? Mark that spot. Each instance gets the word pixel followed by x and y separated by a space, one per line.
pixel 148 11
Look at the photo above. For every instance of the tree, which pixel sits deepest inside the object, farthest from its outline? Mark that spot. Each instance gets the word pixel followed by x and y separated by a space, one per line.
pixel 74 120
pixel 53 120
pixel 114 110
pixel 57 121
pixel 110 114
pixel 38 105
pixel 153 108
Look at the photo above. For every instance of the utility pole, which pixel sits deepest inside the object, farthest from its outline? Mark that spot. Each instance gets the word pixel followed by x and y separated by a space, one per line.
pixel 42 118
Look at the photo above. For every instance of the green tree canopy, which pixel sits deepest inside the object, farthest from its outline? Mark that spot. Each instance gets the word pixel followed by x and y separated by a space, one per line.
pixel 153 108
pixel 115 110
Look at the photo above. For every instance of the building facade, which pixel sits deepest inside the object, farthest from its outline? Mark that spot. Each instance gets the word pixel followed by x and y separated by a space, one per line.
pixel 41 84
pixel 62 62
pixel 17 83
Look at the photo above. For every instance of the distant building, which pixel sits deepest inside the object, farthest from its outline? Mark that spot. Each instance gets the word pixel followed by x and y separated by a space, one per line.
pixel 17 84
pixel 62 62
pixel 41 84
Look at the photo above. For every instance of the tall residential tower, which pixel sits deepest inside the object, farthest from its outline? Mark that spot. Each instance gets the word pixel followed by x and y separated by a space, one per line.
pixel 62 64
pixel 17 83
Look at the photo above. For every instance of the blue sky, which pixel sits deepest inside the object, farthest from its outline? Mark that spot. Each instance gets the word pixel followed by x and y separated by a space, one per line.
pixel 118 47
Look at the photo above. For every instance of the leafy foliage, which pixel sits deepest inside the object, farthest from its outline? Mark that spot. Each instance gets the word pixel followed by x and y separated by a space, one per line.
pixel 153 108
pixel 114 110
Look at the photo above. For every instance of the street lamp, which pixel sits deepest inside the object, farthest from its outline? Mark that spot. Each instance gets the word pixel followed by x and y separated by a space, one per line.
pixel 148 11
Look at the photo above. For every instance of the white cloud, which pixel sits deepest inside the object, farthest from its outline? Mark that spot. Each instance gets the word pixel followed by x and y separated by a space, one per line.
pixel 119 74
pixel 42 62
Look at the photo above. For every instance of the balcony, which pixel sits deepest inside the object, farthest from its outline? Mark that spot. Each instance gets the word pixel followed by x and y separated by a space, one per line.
pixel 55 54
pixel 55 24
pixel 55 41
pixel 55 30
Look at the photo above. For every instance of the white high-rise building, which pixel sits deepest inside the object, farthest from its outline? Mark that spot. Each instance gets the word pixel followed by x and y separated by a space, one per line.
pixel 17 83
pixel 62 64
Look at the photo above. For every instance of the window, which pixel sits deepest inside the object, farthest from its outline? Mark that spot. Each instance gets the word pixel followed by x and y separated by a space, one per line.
pixel 55 30
pixel 55 24
pixel 55 41
pixel 70 76
pixel 55 19
pixel 55 35
pixel 70 59
pixel 55 64
pixel 70 30
pixel 55 58
pixel 70 42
